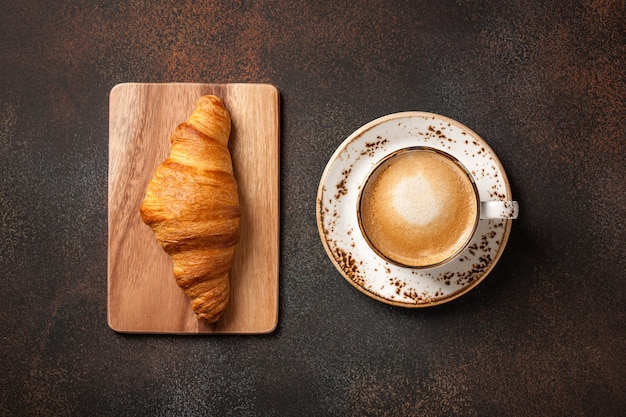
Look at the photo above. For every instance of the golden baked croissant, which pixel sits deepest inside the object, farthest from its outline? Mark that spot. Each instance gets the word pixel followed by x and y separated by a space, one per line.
pixel 192 205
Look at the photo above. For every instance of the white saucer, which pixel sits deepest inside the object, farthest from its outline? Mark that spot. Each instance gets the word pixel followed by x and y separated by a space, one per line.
pixel 338 226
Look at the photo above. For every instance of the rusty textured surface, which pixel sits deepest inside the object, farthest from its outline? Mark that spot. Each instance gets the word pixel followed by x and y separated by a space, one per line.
pixel 542 82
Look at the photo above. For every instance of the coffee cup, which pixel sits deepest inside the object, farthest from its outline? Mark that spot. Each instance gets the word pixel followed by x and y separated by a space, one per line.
pixel 419 207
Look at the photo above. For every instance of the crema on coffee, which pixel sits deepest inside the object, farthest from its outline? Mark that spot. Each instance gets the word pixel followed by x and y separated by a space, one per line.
pixel 418 208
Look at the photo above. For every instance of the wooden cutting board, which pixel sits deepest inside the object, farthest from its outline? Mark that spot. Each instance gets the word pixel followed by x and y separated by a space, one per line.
pixel 143 296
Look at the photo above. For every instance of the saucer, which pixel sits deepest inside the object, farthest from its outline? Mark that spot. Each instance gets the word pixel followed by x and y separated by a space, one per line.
pixel 338 225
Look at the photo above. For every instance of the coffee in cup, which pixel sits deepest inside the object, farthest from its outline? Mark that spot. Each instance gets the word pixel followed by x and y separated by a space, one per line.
pixel 419 207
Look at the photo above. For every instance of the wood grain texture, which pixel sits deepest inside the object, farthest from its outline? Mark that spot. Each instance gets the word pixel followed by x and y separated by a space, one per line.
pixel 143 296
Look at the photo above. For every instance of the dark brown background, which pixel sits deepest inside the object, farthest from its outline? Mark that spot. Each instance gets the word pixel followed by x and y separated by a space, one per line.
pixel 542 82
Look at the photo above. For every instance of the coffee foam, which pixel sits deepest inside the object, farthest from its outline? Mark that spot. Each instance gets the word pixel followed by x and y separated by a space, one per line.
pixel 418 208
pixel 413 200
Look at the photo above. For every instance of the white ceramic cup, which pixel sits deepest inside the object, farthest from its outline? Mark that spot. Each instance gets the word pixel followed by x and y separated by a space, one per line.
pixel 419 207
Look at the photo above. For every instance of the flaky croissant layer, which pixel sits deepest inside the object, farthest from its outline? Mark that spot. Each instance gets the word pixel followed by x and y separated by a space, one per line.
pixel 192 205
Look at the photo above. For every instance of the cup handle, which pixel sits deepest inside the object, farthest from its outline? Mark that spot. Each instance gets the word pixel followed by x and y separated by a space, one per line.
pixel 499 210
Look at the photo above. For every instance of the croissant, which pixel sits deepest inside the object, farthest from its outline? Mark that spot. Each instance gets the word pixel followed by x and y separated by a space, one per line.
pixel 192 205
